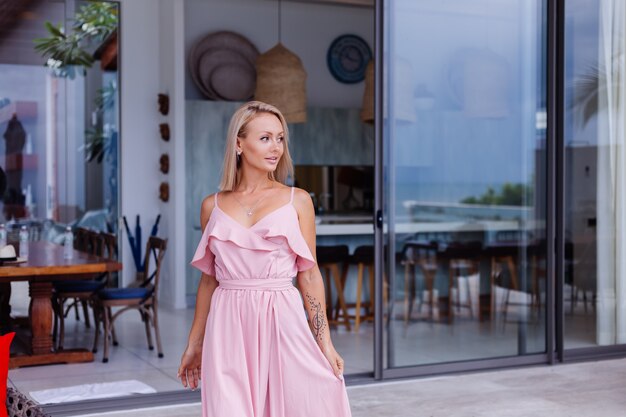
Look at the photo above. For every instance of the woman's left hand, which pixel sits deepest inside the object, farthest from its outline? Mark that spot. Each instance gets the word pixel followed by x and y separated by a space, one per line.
pixel 335 361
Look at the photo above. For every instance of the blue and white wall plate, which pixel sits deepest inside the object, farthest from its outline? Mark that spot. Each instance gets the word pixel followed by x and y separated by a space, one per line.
pixel 347 58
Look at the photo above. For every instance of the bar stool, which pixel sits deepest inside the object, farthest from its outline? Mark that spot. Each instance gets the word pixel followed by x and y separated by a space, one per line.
pixel 363 257
pixel 329 259
pixel 537 251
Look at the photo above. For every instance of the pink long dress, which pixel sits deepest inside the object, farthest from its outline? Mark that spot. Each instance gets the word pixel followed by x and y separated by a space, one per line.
pixel 259 357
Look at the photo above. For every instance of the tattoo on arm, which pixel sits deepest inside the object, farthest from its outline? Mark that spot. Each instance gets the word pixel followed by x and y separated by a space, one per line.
pixel 317 318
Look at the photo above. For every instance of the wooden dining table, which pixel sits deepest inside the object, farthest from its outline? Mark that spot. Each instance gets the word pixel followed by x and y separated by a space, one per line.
pixel 46 264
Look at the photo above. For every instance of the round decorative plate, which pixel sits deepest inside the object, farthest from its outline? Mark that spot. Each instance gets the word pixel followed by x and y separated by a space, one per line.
pixel 207 54
pixel 214 58
pixel 232 82
pixel 347 58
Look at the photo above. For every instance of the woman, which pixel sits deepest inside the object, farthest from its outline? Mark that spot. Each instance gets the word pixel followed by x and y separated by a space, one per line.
pixel 249 344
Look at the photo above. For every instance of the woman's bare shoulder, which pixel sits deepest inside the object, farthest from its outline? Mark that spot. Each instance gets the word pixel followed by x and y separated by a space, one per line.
pixel 302 200
pixel 208 204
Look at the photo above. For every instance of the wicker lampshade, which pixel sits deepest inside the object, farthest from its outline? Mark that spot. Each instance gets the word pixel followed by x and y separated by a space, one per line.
pixel 281 81
pixel 367 109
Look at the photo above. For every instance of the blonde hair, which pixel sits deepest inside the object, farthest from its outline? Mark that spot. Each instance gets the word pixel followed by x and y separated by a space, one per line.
pixel 231 169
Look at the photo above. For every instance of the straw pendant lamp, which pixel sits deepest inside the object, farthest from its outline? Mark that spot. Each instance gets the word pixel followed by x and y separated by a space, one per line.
pixel 281 80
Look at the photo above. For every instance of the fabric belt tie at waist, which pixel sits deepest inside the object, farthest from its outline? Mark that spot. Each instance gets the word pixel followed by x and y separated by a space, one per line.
pixel 257 284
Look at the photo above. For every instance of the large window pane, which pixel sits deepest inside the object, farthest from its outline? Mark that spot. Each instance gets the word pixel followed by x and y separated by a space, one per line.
pixel 59 124
pixel 595 126
pixel 465 179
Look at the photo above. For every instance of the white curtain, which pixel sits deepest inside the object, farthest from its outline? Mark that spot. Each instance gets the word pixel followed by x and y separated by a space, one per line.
pixel 611 194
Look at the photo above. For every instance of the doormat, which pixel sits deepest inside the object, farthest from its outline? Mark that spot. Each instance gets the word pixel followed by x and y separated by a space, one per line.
pixel 91 391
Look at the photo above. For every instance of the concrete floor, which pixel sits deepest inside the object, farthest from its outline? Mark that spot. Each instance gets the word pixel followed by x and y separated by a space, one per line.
pixel 573 390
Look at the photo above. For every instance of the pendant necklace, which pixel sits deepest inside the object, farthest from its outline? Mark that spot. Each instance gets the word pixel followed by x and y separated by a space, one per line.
pixel 249 210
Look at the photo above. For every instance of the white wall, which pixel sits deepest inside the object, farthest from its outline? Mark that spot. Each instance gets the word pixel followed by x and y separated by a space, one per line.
pixel 172 83
pixel 140 147
pixel 152 63
pixel 307 30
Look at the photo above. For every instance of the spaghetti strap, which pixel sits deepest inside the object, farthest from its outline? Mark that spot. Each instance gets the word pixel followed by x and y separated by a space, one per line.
pixel 215 195
pixel 291 201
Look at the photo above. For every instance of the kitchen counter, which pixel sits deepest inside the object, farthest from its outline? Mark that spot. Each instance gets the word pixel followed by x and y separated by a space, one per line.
pixel 351 226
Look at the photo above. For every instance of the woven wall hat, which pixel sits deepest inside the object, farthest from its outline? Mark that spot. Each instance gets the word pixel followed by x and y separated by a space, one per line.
pixel 232 57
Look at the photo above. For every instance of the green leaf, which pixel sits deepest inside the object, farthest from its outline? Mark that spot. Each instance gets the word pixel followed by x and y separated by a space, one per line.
pixel 54 30
pixel 99 18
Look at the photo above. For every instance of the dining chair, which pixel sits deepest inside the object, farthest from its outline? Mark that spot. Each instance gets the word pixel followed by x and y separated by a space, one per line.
pixel 141 296
pixel 82 244
pixel 515 257
pixel 79 292
pixel 109 251
pixel 537 254
pixel 463 260
pixel 504 273
pixel 420 255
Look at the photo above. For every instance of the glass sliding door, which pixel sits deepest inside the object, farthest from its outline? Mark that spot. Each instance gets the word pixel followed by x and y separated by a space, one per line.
pixel 594 298
pixel 464 180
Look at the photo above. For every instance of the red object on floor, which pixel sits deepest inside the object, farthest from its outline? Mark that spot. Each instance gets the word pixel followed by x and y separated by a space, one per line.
pixel 5 345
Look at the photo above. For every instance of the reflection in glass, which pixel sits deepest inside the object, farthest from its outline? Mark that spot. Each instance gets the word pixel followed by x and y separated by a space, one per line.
pixel 465 176
pixel 59 118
